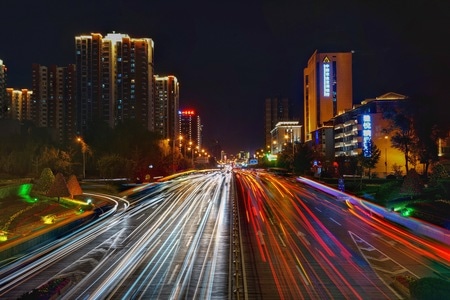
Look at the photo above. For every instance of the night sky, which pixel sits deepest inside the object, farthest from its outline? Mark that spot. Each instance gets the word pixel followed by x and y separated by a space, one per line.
pixel 230 55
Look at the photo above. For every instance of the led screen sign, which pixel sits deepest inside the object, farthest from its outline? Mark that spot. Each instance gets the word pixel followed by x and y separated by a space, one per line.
pixel 187 112
pixel 326 77
pixel 367 135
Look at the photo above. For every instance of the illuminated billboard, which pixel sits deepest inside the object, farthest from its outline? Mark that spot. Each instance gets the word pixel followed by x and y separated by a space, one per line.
pixel 326 77
pixel 367 135
pixel 186 112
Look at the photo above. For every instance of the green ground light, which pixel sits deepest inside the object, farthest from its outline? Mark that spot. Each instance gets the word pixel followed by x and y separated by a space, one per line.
pixel 24 192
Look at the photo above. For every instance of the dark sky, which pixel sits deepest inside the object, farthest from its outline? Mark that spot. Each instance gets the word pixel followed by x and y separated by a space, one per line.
pixel 230 55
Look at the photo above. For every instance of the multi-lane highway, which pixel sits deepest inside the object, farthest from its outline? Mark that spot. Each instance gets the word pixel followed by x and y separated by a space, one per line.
pixel 229 235
pixel 169 241
pixel 312 245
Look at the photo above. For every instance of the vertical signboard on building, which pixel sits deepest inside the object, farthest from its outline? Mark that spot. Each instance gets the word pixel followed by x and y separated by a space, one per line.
pixel 367 135
pixel 326 77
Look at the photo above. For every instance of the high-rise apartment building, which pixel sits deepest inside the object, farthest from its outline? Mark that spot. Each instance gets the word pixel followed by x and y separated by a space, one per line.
pixel 276 110
pixel 40 105
pixel 3 97
pixel 114 79
pixel 327 86
pixel 190 129
pixel 53 100
pixel 20 103
pixel 166 106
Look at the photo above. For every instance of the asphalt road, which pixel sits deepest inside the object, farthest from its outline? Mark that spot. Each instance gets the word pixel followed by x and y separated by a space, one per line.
pixel 214 236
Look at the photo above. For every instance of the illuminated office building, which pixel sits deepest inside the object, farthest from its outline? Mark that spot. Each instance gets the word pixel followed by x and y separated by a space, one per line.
pixel 114 79
pixel 167 102
pixel 283 134
pixel 327 86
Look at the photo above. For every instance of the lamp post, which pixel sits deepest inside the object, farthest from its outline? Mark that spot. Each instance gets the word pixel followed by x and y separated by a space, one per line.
pixel 293 150
pixel 84 149
pixel 385 157
pixel 291 136
pixel 181 145
pixel 192 152
pixel 173 154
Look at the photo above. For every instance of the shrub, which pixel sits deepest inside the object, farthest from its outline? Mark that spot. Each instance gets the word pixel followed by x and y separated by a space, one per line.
pixel 429 288
pixel 387 191
pixel 44 182
pixel 412 185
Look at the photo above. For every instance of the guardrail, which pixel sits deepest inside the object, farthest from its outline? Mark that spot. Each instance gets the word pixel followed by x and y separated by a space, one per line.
pixel 416 225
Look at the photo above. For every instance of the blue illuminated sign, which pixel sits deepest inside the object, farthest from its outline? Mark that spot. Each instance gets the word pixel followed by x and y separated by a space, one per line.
pixel 326 77
pixel 367 134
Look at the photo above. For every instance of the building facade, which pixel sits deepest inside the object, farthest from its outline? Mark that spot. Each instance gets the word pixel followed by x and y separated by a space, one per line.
pixel 166 107
pixel 353 128
pixel 327 86
pixel 19 107
pixel 53 100
pixel 4 104
pixel 40 105
pixel 322 144
pixel 114 80
pixel 190 139
pixel 284 133
pixel 276 110
pixel 190 128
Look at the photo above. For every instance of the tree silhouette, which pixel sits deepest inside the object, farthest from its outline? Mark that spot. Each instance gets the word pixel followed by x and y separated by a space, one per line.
pixel 401 130
pixel 45 181
pixel 74 186
pixel 415 128
pixel 58 160
pixel 59 187
pixel 303 158
pixel 428 130
pixel 412 184
pixel 369 158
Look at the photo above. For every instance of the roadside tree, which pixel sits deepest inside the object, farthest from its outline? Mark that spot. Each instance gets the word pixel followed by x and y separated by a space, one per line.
pixel 370 157
pixel 74 186
pixel 415 129
pixel 44 182
pixel 59 187
pixel 429 127
pixel 402 134
pixel 115 166
pixel 303 158
pixel 58 160
pixel 412 184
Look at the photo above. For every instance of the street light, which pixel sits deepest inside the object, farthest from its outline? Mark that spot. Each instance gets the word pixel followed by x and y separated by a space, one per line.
pixel 385 156
pixel 292 141
pixel 84 149
pixel 173 154
pixel 291 136
pixel 192 152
